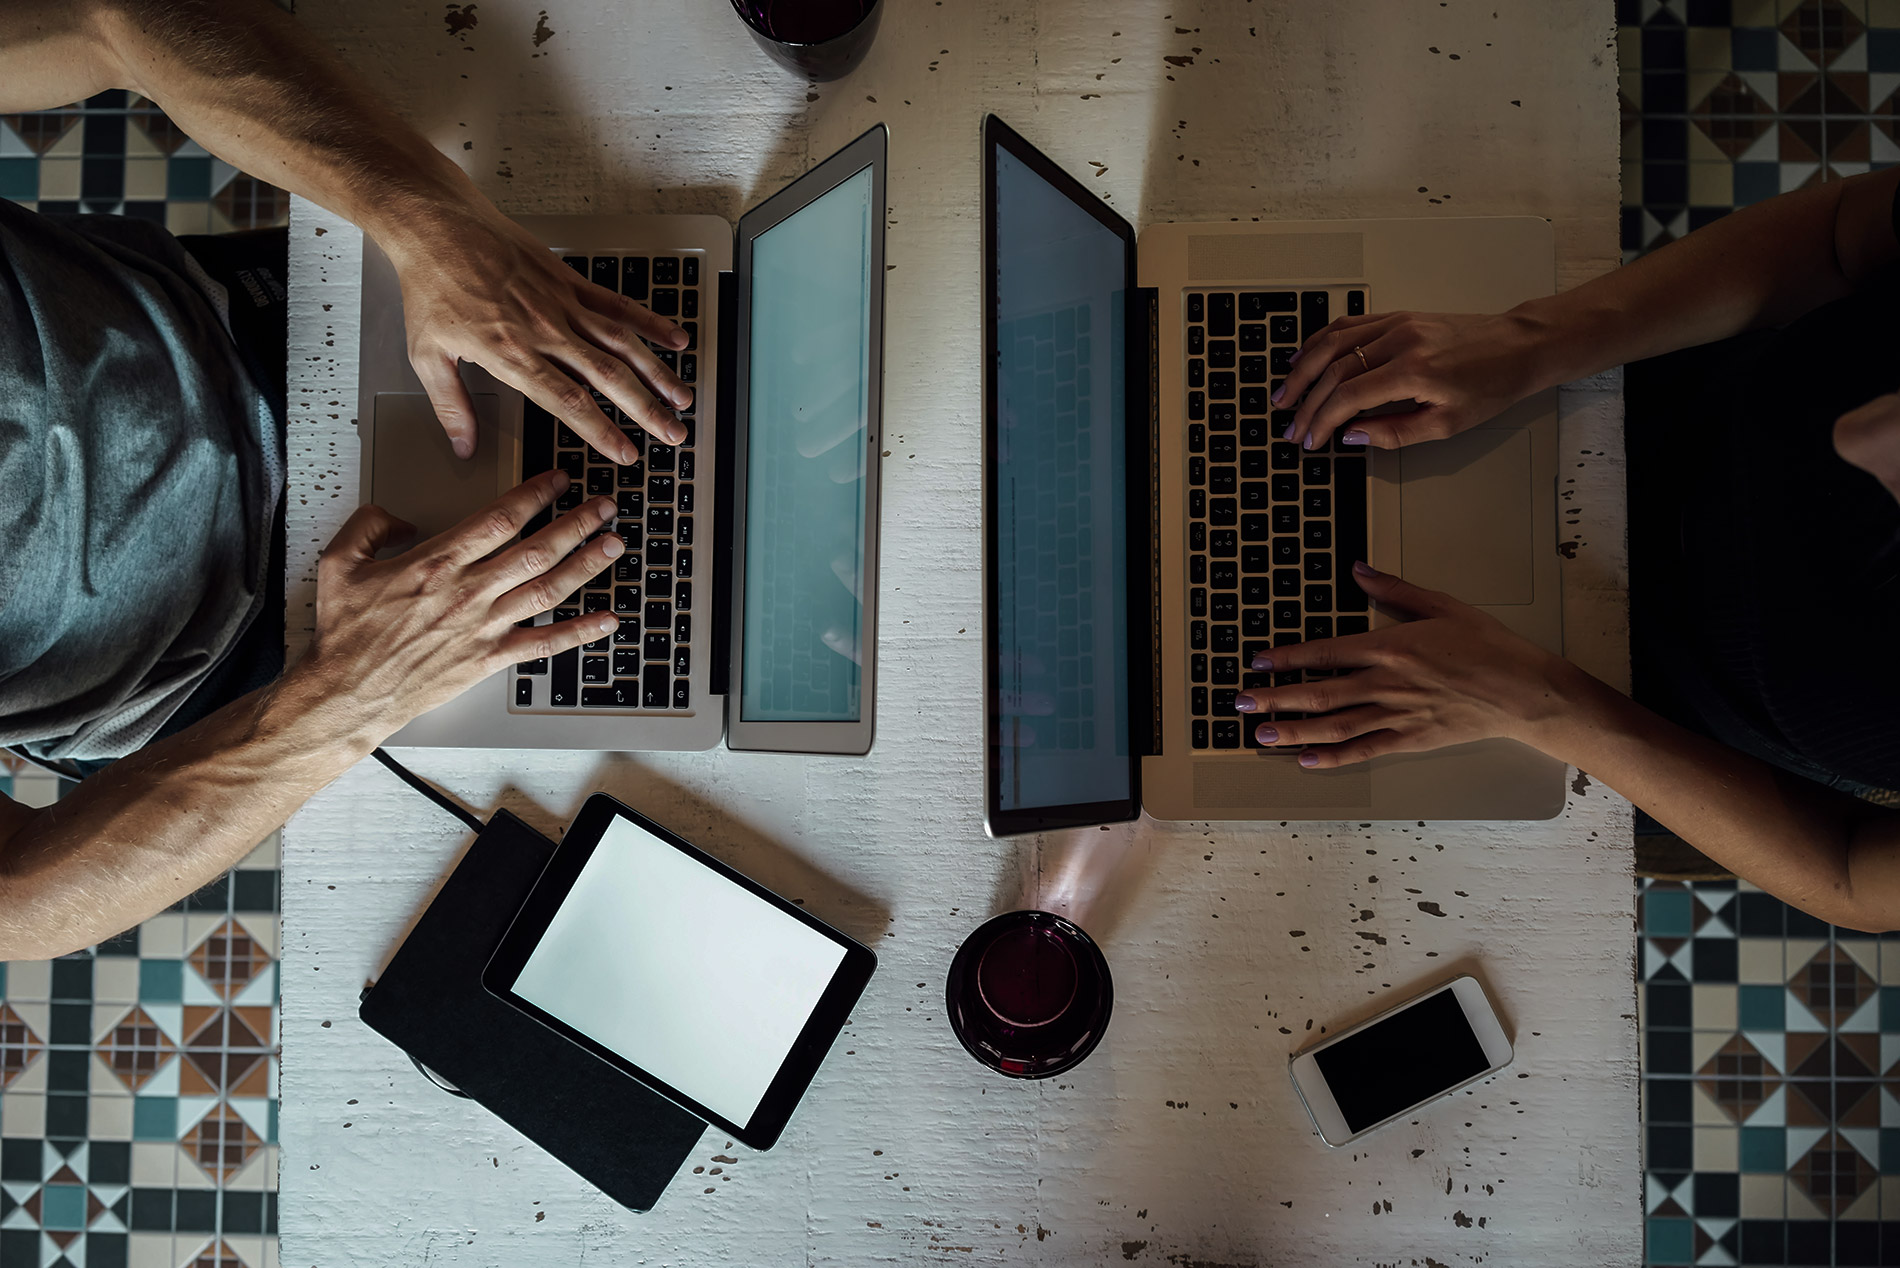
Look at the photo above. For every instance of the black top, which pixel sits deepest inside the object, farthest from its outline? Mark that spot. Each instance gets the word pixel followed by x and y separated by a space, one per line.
pixel 1770 615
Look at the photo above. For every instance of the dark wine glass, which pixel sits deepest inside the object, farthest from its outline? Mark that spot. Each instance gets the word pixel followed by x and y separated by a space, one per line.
pixel 1029 994
pixel 819 39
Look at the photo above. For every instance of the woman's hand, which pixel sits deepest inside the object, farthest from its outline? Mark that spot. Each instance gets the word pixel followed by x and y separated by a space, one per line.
pixel 1460 368
pixel 1450 675
pixel 509 305
pixel 1869 437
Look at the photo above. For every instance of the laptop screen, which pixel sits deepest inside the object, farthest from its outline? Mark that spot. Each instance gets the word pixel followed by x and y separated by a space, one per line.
pixel 808 408
pixel 1058 489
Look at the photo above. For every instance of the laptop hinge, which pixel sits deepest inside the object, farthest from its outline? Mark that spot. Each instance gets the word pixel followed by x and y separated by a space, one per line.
pixel 1144 538
pixel 723 429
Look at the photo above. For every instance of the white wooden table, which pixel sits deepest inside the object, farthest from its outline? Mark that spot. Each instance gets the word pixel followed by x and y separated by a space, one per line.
pixel 1181 1139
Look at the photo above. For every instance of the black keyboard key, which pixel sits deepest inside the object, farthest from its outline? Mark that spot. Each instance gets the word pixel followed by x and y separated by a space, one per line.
pixel 1286 615
pixel 524 692
pixel 629 632
pixel 1197 472
pixel 1286 582
pixel 1196 307
pixel 1255 306
pixel 1222 479
pixel 659 553
pixel 1318 567
pixel 1220 385
pixel 1253 433
pixel 1253 338
pixel 613 696
pixel 682 693
pixel 657 647
pixel 1254 495
pixel 660 520
pixel 1286 519
pixel 1315 471
pixel 1253 370
pixel 689 303
pixel 1318 627
pixel 1318 535
pixel 682 628
pixel 626 599
pixel 1197 602
pixel 576 262
pixel 1313 314
pixel 1355 303
pixel 1226 638
pixel 658 614
pixel 692 335
pixel 1253 400
pixel 1227 671
pixel 683 565
pixel 1196 341
pixel 654 684
pixel 1197 667
pixel 684 533
pixel 1197 503
pixel 631 504
pixel 666 271
pixel 537 440
pixel 606 272
pixel 574 462
pixel 1220 316
pixel 1220 354
pixel 665 302
pixel 633 277
pixel 1220 417
pixel 1255 560
pixel 1317 501
pixel 1223 543
pixel 1197 636
pixel 1197 438
pixel 626 662
pixel 659 488
pixel 1254 592
pixel 1197 405
pixel 685 465
pixel 1349 521
pixel 600 481
pixel 1282 361
pixel 683 595
pixel 689 368
pixel 1286 550
pixel 564 684
pixel 685 502
pixel 1286 456
pixel 682 661
pixel 1254 624
pixel 1199 701
pixel 1197 536
pixel 594 669
pixel 1197 373
pixel 661 457
pixel 632 475
pixel 1255 528
pixel 597 601
pixel 1226 450
pixel 1286 487
pixel 1282 419
pixel 1197 569
pixel 1319 598
pixel 1226 576
pixel 539 666
pixel 1285 330
pixel 1200 733
pixel 1225 605
pixel 1346 625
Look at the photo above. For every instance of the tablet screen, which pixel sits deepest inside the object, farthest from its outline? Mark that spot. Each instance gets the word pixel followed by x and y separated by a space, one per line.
pixel 692 978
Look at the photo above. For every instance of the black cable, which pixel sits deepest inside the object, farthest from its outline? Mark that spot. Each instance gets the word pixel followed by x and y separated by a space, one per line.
pixel 428 790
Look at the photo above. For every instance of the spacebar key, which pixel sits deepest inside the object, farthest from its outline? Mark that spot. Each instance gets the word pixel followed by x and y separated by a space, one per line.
pixel 1349 529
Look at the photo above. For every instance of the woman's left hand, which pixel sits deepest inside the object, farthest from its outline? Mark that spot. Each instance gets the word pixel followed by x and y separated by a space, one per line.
pixel 1449 675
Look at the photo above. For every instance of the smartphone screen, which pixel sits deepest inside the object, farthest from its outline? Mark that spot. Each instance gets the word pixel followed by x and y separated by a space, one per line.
pixel 1411 1056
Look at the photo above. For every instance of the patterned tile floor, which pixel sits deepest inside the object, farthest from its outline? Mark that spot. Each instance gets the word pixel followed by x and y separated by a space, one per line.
pixel 138 1080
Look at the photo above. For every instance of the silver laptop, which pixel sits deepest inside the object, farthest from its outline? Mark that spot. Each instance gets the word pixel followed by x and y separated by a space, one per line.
pixel 1146 533
pixel 748 590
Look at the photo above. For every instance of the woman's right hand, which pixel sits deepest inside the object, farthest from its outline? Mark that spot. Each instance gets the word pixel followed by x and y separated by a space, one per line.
pixel 1460 368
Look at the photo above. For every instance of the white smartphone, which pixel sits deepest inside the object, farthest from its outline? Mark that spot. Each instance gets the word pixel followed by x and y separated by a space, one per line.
pixel 1389 1065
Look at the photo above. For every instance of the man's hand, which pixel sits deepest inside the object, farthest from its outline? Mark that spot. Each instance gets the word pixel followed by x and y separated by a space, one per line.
pixel 397 637
pixel 1451 675
pixel 1460 368
pixel 510 306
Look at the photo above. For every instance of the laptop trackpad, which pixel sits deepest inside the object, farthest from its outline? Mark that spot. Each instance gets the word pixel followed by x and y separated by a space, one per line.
pixel 415 476
pixel 1465 521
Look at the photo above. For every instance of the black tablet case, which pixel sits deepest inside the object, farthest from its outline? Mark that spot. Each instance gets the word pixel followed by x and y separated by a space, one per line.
pixel 621 1137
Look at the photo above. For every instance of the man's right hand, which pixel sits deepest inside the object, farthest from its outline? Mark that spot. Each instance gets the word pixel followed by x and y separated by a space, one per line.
pixel 397 637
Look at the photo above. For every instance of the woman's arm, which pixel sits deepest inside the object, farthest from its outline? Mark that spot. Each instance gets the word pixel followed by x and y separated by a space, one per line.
pixel 1454 674
pixel 1762 266
pixel 248 84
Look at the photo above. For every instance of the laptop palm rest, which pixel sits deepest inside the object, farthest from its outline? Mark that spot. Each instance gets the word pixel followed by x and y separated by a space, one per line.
pixel 415 476
pixel 1466 516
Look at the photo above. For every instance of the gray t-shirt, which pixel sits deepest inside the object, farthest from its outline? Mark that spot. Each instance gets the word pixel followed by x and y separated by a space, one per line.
pixel 140 471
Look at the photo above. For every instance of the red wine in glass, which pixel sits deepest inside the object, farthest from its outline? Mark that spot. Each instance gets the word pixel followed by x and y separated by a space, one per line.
pixel 820 39
pixel 1029 994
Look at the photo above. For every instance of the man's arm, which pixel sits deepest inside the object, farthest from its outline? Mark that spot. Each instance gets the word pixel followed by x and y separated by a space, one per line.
pixel 247 83
pixel 393 639
pixel 1762 266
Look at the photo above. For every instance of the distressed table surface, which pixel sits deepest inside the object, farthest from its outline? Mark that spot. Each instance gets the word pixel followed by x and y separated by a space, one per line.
pixel 1181 1139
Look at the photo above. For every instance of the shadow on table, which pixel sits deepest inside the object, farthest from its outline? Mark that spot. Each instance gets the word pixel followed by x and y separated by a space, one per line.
pixel 1089 875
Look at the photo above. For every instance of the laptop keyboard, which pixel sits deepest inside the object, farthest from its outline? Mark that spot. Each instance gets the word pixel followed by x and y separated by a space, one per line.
pixel 1273 529
pixel 646 665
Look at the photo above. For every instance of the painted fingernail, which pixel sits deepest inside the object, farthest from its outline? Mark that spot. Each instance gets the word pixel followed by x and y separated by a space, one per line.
pixel 1364 569
pixel 1266 735
pixel 611 546
pixel 1297 354
pixel 462 446
pixel 1263 661
pixel 1244 704
pixel 1355 437
pixel 1278 392
pixel 1310 441
pixel 1309 760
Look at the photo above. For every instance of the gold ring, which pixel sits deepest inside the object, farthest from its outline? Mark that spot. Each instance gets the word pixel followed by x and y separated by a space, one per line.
pixel 1362 358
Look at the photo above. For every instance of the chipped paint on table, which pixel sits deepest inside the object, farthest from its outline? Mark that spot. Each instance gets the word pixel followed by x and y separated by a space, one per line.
pixel 1180 1140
